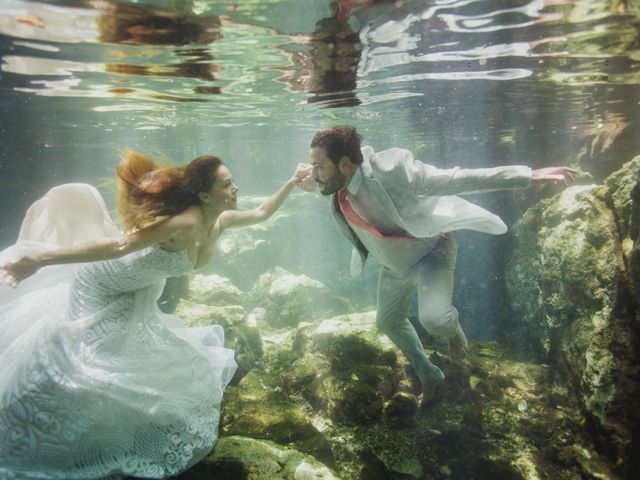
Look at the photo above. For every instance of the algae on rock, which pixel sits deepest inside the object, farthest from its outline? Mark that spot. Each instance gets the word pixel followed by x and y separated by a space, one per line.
pixel 572 289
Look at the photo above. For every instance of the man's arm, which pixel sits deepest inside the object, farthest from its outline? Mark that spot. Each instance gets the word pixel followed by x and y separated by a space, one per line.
pixel 459 181
pixel 456 181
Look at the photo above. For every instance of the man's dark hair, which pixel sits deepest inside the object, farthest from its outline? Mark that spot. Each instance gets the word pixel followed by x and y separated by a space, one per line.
pixel 338 141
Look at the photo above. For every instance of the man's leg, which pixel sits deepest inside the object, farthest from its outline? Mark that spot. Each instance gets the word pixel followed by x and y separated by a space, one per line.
pixel 394 296
pixel 435 293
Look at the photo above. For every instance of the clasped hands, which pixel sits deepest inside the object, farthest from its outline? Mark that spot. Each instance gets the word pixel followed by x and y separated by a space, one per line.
pixel 304 177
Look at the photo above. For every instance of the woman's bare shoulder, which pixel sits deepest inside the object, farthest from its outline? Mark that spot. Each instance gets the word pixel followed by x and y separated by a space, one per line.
pixel 183 222
pixel 188 220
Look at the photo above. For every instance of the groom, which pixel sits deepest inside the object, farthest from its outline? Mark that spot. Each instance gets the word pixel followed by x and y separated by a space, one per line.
pixel 400 210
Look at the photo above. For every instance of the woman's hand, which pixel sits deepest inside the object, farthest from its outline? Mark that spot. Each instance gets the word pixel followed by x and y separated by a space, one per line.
pixel 13 273
pixel 243 218
pixel 303 177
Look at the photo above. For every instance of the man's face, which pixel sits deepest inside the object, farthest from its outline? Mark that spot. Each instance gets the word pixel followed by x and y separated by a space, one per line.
pixel 328 176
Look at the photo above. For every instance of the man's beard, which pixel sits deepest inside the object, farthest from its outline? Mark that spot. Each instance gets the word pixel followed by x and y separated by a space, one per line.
pixel 333 184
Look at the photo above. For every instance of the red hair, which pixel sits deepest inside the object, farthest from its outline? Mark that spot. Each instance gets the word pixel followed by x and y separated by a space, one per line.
pixel 147 190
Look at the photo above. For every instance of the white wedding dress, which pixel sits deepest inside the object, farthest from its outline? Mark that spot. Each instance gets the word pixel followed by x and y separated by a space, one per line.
pixel 95 381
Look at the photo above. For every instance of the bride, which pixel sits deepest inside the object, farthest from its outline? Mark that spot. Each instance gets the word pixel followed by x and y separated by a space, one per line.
pixel 94 380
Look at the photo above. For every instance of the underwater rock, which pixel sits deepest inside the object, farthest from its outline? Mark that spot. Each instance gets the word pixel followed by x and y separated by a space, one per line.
pixel 402 409
pixel 289 299
pixel 304 370
pixel 346 340
pixel 247 343
pixel 259 407
pixel 199 314
pixel 347 399
pixel 215 290
pixel 572 289
pixel 346 367
pixel 515 423
pixel 624 186
pixel 565 265
pixel 375 468
pixel 240 458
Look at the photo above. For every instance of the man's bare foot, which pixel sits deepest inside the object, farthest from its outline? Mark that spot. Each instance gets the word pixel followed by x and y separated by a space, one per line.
pixel 458 346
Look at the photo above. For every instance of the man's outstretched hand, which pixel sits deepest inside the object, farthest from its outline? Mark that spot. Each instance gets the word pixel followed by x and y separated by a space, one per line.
pixel 557 175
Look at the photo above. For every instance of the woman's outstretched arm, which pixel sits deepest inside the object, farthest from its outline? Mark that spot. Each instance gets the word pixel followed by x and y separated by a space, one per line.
pixel 178 227
pixel 234 218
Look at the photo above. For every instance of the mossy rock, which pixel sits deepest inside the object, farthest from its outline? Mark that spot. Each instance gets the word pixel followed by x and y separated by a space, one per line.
pixel 571 285
pixel 624 186
pixel 347 340
pixel 240 458
pixel 289 299
pixel 258 407
pixel 247 343
pixel 215 290
pixel 305 370
pixel 201 315
pixel 401 409
pixel 347 351
pixel 346 399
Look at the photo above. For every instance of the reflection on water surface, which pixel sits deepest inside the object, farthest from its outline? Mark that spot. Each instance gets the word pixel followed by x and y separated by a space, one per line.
pixel 253 58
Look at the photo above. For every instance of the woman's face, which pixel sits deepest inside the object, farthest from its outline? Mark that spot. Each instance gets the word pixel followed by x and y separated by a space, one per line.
pixel 224 193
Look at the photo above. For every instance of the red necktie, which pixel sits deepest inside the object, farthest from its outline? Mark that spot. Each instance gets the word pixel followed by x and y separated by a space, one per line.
pixel 351 215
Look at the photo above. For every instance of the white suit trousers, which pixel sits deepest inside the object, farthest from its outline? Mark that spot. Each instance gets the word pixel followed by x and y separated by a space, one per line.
pixel 432 279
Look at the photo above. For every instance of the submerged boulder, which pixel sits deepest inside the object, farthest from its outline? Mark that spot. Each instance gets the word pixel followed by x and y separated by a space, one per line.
pixel 242 458
pixel 347 399
pixel 624 186
pixel 289 299
pixel 201 315
pixel 215 290
pixel 498 418
pixel 572 283
pixel 401 409
pixel 347 339
pixel 259 407
pixel 346 367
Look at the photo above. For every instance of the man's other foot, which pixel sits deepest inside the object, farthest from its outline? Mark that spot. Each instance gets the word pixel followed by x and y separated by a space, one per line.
pixel 430 387
pixel 458 346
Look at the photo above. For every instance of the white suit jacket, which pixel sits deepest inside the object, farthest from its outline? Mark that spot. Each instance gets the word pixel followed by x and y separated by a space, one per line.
pixel 420 198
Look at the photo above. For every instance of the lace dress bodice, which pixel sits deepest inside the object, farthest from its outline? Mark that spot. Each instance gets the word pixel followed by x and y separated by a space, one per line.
pixel 121 290
pixel 132 272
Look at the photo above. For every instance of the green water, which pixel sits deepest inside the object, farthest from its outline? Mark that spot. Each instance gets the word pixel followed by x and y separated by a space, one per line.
pixel 472 83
